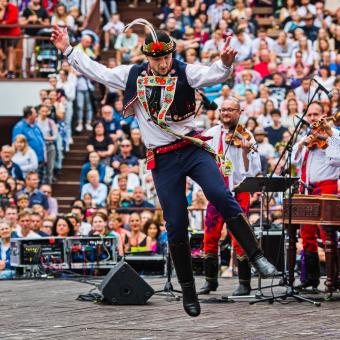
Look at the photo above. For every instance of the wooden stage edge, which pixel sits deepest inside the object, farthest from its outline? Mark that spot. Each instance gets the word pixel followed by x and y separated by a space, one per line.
pixel 48 309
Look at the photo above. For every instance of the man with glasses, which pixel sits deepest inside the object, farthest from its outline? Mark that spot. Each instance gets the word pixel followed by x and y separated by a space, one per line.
pixel 125 156
pixel 240 162
pixel 161 95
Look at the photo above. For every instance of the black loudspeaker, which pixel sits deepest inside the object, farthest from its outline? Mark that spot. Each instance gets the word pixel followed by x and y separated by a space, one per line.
pixel 123 286
pixel 272 245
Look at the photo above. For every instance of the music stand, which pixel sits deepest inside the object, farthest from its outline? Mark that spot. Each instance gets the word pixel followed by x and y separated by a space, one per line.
pixel 263 185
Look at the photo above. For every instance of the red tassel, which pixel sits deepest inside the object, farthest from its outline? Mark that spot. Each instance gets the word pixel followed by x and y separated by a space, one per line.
pixel 150 159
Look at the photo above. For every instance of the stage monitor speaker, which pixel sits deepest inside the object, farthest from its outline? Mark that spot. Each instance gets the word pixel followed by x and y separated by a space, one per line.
pixel 123 286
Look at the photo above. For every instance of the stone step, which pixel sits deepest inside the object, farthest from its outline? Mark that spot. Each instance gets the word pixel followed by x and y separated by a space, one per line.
pixel 66 188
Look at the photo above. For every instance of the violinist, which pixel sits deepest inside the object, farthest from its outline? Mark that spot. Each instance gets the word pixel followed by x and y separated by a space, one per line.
pixel 236 143
pixel 319 166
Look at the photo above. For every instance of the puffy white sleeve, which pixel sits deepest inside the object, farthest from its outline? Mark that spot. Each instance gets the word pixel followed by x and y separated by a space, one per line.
pixel 114 77
pixel 201 76
pixel 297 156
pixel 333 150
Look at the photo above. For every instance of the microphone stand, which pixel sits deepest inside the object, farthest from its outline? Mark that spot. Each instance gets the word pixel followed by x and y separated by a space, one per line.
pixel 290 291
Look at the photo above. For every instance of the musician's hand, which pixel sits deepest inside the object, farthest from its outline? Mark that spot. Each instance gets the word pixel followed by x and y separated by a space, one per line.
pixel 307 140
pixel 228 54
pixel 327 128
pixel 59 38
pixel 246 146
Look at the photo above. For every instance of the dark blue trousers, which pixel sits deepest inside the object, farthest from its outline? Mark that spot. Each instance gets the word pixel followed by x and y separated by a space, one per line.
pixel 170 180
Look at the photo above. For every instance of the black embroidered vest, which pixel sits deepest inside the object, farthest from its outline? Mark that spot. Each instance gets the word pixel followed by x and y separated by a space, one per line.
pixel 183 105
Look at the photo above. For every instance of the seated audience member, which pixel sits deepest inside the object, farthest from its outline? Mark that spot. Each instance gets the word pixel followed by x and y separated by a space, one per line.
pixel 11 216
pixel 47 226
pixel 113 200
pixel 97 190
pixel 112 125
pixel 265 119
pixel 132 179
pixel 100 142
pixel 112 29
pixel 152 230
pixel 276 130
pixel 74 219
pixel 3 173
pixel 7 153
pixel 138 147
pixel 37 224
pixel 85 227
pixel 126 196
pixel 22 201
pixel 265 149
pixel 146 215
pixel 138 241
pixel 125 155
pixel 52 211
pixel 90 204
pixel 25 157
pixel 116 224
pixel 138 199
pixel 39 209
pixel 6 271
pixel 99 224
pixel 62 227
pixel 92 164
pixel 31 189
pixel 24 228
pixel 4 194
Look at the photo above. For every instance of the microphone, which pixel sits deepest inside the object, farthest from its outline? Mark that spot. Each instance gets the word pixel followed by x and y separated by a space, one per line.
pixel 328 93
pixel 209 105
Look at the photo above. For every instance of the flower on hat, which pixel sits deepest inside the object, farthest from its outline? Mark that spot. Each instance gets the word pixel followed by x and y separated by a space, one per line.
pixel 157 46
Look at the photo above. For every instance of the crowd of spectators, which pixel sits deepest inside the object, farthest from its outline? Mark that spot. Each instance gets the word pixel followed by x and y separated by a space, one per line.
pixel 272 79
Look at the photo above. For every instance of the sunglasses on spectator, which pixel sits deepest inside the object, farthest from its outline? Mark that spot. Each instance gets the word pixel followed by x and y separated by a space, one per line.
pixel 125 145
pixel 229 110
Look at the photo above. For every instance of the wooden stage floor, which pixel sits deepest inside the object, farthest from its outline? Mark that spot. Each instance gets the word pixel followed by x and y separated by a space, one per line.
pixel 48 309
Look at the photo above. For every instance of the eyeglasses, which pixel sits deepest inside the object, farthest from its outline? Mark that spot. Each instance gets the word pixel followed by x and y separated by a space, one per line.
pixel 125 145
pixel 229 110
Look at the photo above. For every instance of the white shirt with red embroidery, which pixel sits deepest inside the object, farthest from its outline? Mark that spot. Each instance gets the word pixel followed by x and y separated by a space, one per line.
pixel 321 164
pixel 153 136
pixel 234 154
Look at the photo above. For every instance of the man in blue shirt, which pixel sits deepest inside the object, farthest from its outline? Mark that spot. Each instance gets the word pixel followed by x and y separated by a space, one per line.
pixel 33 134
pixel 112 125
pixel 93 164
pixel 7 153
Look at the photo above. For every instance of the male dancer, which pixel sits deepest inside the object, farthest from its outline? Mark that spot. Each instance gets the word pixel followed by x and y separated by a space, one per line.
pixel 161 94
pixel 320 173
pixel 243 162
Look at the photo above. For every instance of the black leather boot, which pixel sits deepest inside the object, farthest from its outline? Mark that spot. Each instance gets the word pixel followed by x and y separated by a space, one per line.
pixel 181 258
pixel 244 277
pixel 312 272
pixel 242 231
pixel 211 271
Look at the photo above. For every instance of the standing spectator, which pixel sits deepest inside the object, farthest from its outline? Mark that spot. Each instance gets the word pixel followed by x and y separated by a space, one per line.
pixel 100 142
pixel 97 190
pixel 92 164
pixel 52 211
pixel 9 15
pixel 84 88
pixel 49 130
pixel 111 31
pixel 126 156
pixel 35 139
pixel 33 14
pixel 6 271
pixel 276 130
pixel 34 194
pixel 7 154
pixel 125 42
pixel 69 88
pixel 24 155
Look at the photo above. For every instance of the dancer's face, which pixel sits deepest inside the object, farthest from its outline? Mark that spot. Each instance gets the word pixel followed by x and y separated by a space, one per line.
pixel 161 65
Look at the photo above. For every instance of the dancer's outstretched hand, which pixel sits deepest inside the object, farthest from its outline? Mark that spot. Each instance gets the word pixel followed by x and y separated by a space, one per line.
pixel 228 54
pixel 59 37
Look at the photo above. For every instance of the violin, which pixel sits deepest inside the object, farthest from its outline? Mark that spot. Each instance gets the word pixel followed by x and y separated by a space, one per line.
pixel 236 135
pixel 320 134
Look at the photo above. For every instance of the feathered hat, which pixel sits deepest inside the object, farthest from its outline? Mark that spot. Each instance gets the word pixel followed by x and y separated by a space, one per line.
pixel 157 43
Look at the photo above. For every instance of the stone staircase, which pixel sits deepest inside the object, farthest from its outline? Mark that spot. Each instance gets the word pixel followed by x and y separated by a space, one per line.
pixel 67 187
